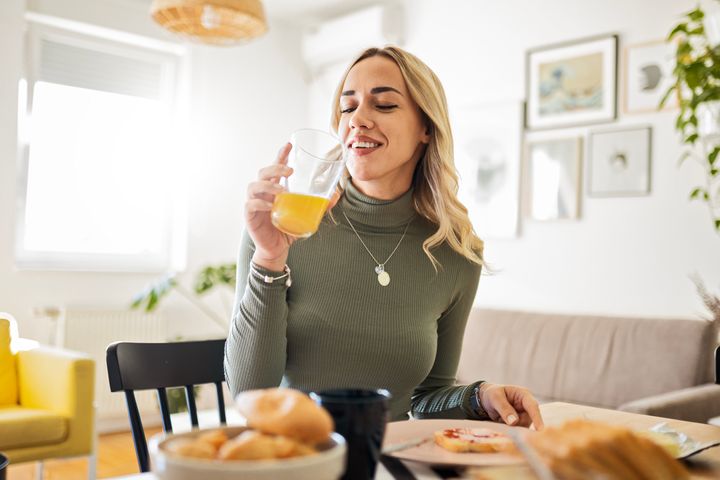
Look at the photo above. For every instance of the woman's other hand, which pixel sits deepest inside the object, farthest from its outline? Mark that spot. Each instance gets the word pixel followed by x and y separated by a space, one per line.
pixel 510 404
pixel 271 245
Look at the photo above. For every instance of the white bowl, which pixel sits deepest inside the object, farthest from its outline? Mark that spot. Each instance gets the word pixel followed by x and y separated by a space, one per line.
pixel 328 464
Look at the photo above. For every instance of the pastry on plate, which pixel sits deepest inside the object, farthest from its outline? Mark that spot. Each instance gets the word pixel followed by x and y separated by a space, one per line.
pixel 478 440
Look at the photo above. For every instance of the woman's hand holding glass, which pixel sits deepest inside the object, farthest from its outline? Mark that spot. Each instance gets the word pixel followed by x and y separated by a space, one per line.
pixel 271 245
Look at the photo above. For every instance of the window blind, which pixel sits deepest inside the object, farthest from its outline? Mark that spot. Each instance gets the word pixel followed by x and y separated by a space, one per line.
pixel 67 64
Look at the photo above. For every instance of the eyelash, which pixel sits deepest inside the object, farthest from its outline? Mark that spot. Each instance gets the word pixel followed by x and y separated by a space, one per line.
pixel 386 108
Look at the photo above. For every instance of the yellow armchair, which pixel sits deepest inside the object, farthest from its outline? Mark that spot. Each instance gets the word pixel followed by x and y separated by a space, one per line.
pixel 53 414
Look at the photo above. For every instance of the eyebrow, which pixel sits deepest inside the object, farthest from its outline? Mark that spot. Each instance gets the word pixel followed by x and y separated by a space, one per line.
pixel 373 91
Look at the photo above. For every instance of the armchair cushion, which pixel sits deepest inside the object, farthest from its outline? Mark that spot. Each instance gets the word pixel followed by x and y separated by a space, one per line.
pixel 8 374
pixel 692 404
pixel 26 427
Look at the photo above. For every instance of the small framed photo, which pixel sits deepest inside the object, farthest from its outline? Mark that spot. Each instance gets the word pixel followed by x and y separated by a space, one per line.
pixel 572 84
pixel 620 162
pixel 552 179
pixel 647 76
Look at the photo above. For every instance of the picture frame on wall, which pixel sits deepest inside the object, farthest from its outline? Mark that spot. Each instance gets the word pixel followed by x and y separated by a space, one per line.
pixel 647 74
pixel 551 180
pixel 488 153
pixel 571 84
pixel 620 162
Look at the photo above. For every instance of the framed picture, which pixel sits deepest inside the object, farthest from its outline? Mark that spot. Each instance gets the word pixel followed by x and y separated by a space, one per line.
pixel 647 76
pixel 620 162
pixel 488 150
pixel 572 84
pixel 552 179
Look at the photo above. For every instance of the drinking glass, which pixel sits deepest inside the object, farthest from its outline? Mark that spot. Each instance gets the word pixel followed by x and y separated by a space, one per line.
pixel 317 159
pixel 360 416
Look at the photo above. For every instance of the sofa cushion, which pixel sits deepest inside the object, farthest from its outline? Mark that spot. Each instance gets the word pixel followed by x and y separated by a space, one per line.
pixel 8 373
pixel 27 427
pixel 603 361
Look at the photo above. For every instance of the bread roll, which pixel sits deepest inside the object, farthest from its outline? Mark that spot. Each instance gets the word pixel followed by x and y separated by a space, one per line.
pixel 192 448
pixel 286 412
pixel 582 449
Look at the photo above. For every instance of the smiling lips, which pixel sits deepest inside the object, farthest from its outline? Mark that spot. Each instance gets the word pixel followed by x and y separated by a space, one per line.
pixel 362 145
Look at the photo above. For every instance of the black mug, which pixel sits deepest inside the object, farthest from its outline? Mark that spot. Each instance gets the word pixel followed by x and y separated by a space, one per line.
pixel 3 466
pixel 360 416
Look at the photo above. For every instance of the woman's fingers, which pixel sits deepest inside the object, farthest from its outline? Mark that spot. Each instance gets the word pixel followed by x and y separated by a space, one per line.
pixel 530 405
pixel 498 401
pixel 257 205
pixel 282 156
pixel 279 168
pixel 274 172
pixel 264 189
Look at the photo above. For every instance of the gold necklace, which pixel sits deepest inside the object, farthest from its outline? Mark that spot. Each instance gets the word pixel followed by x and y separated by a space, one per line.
pixel 383 277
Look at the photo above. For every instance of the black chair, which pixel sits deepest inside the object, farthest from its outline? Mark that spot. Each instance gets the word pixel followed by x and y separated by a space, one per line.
pixel 146 366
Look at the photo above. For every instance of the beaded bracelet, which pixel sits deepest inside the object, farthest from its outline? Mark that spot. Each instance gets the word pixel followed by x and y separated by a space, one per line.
pixel 268 278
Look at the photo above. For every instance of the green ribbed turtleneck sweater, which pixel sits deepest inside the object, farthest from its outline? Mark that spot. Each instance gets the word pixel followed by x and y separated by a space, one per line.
pixel 336 326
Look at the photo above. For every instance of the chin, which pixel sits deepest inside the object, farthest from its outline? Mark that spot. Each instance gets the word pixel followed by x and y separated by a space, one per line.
pixel 361 172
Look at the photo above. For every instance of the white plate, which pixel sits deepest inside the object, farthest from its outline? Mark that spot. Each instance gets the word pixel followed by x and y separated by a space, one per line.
pixel 430 453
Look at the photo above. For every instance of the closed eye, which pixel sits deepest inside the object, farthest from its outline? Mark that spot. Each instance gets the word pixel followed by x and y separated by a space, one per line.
pixel 379 107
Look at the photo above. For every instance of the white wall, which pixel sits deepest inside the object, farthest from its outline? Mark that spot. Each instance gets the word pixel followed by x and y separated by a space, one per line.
pixel 625 255
pixel 244 102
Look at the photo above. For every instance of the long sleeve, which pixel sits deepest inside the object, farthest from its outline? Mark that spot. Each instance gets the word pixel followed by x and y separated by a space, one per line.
pixel 438 396
pixel 256 347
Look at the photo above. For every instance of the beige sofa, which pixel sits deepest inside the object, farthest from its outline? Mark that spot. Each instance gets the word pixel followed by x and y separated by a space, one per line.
pixel 653 366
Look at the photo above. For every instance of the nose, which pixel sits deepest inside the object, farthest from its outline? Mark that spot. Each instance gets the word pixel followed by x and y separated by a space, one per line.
pixel 360 119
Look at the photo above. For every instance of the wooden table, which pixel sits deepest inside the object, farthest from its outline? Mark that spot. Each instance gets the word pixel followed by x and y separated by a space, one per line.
pixel 705 465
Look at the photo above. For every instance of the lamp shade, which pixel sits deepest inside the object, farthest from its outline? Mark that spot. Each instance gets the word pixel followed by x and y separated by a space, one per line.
pixel 217 22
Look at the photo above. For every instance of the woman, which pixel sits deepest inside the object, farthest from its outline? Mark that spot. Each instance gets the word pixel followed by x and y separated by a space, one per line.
pixel 380 295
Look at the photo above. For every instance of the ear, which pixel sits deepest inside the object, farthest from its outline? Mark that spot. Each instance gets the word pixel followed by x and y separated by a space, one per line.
pixel 426 136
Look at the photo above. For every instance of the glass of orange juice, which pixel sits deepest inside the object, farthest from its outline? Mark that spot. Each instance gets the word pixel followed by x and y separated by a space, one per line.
pixel 317 159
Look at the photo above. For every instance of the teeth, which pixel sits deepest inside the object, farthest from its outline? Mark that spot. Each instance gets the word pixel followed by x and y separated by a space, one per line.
pixel 365 145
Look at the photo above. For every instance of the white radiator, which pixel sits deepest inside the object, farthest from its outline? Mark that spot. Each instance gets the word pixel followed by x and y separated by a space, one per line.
pixel 91 331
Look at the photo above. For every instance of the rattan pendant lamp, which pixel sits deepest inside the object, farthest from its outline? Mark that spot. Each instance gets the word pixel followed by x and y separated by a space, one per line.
pixel 217 22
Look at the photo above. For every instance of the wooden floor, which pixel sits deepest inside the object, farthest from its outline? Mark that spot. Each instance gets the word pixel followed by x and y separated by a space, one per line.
pixel 116 457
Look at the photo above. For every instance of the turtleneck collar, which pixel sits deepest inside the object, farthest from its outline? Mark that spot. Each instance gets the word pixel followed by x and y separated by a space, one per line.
pixel 374 212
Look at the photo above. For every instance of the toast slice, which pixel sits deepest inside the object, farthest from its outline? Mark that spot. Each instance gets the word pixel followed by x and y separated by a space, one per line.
pixel 478 440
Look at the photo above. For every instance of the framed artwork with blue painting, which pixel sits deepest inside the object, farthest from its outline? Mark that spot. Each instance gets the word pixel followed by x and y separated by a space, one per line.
pixel 572 84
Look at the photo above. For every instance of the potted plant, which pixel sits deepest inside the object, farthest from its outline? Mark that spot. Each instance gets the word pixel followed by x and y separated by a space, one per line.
pixel 697 88
pixel 208 278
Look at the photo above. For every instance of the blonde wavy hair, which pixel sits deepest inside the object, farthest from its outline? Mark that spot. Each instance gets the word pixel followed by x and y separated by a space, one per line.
pixel 435 180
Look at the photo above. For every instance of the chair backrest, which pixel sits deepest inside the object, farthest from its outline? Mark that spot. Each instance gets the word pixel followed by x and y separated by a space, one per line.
pixel 146 366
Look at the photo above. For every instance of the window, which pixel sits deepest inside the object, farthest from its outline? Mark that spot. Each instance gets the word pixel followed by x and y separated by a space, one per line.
pixel 103 174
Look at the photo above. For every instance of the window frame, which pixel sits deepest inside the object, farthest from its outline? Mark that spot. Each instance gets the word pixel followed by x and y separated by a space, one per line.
pixel 174 61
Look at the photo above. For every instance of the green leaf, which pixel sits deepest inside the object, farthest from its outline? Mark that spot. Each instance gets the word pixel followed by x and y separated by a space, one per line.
pixel 696 193
pixel 681 27
pixel 713 155
pixel 691 138
pixel 706 196
pixel 717 224
pixel 152 301
pixel 666 96
pixel 696 15
pixel 680 123
pixel 713 172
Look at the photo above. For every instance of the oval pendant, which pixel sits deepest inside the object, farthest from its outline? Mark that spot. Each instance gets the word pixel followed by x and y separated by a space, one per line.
pixel 384 278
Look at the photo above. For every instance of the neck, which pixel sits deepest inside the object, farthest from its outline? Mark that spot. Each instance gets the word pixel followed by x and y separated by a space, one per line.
pixel 387 190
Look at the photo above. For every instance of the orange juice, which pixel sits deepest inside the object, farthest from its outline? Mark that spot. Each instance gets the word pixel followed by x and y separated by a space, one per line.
pixel 297 214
